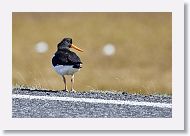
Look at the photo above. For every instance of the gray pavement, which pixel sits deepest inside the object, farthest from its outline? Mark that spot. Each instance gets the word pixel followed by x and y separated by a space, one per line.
pixel 46 108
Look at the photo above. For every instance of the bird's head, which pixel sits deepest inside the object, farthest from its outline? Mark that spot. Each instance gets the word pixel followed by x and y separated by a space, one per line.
pixel 66 43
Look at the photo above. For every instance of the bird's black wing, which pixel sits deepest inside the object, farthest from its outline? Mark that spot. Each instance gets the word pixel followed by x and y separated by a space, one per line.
pixel 66 57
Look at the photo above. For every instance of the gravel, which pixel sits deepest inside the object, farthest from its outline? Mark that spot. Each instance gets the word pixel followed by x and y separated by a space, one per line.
pixel 36 108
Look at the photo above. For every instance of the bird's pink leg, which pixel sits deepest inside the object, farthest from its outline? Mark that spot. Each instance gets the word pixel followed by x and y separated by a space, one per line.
pixel 72 83
pixel 64 80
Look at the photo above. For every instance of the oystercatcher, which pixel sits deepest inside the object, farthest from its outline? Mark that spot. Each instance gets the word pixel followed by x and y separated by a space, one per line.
pixel 66 62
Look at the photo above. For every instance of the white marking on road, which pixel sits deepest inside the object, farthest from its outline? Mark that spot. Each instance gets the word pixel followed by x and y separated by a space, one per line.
pixel 91 100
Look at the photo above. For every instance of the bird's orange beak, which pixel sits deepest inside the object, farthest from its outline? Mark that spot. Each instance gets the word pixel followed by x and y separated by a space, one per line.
pixel 75 47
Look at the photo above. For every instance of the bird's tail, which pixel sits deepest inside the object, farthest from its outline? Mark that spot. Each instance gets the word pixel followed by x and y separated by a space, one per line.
pixel 78 65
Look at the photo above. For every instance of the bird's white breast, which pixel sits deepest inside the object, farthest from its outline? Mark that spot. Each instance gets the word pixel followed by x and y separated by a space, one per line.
pixel 65 70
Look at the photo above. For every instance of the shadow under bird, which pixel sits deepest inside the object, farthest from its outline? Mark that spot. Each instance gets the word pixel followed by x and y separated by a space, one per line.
pixel 66 62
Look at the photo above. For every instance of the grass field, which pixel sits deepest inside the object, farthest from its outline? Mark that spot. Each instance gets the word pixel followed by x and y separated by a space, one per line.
pixel 142 62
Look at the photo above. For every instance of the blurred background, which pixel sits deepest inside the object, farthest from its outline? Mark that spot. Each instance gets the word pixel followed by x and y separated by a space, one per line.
pixel 129 52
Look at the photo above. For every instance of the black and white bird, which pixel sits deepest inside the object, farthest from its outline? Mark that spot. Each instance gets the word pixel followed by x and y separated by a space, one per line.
pixel 66 62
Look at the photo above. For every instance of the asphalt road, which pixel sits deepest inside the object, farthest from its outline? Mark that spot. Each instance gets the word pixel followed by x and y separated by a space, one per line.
pixel 59 104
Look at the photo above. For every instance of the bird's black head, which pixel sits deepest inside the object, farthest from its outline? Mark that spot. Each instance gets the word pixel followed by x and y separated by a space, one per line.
pixel 67 43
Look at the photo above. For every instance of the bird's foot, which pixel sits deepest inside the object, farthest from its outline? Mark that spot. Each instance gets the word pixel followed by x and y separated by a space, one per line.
pixel 65 90
pixel 72 90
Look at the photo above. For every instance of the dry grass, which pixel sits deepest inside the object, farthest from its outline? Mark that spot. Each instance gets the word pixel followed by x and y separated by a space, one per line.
pixel 142 63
